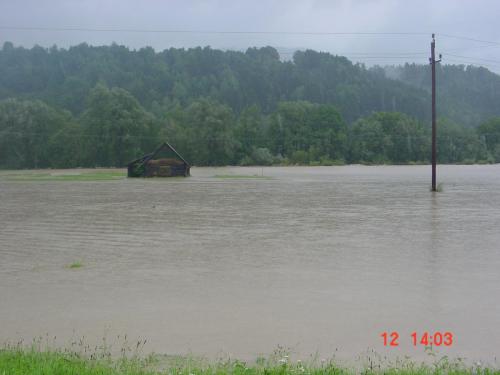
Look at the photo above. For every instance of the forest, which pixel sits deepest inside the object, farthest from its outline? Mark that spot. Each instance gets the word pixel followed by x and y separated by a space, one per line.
pixel 103 106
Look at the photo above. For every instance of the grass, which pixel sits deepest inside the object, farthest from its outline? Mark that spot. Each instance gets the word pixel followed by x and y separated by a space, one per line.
pixel 94 175
pixel 241 176
pixel 439 188
pixel 66 176
pixel 74 265
pixel 98 361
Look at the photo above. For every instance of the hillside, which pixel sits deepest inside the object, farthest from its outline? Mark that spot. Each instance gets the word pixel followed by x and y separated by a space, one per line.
pixel 102 106
pixel 466 94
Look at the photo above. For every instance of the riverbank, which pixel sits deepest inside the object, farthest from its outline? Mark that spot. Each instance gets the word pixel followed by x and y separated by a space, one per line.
pixel 17 360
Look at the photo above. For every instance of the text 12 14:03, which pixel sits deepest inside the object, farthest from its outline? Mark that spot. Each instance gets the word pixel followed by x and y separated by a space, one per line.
pixel 391 339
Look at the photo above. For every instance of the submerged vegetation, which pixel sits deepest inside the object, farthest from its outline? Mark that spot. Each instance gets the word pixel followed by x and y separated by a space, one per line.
pixel 76 264
pixel 104 106
pixel 241 176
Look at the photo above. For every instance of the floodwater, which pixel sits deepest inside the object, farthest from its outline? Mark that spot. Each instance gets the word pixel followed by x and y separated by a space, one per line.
pixel 315 259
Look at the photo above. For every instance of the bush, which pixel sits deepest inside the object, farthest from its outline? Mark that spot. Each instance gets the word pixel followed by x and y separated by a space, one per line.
pixel 300 157
pixel 496 153
pixel 259 156
pixel 247 160
pixel 262 156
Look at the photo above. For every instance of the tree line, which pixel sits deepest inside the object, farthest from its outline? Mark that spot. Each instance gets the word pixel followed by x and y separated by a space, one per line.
pixel 63 78
pixel 115 128
pixel 104 106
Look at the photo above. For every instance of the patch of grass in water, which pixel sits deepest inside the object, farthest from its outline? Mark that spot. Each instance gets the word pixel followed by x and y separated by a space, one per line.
pixel 241 176
pixel 439 188
pixel 75 265
pixel 69 176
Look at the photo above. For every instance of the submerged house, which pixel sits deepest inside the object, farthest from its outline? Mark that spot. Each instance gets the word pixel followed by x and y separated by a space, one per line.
pixel 163 162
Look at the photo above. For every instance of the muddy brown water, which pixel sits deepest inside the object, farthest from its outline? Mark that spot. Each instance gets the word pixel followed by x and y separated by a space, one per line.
pixel 318 260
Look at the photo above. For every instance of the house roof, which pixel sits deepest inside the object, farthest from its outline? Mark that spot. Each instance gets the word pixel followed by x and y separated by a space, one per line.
pixel 150 156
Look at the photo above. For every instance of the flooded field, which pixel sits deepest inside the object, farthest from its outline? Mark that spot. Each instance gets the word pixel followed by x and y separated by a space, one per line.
pixel 314 259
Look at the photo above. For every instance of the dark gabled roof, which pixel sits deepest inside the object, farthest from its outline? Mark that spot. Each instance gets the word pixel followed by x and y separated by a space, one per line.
pixel 166 144
pixel 142 159
pixel 148 157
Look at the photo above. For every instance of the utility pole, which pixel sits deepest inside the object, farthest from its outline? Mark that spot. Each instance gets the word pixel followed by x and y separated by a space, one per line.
pixel 433 62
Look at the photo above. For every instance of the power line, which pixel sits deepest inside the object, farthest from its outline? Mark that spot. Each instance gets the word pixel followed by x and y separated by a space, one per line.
pixel 257 138
pixel 455 61
pixel 265 32
pixel 366 54
pixel 474 58
pixel 383 57
pixel 251 32
pixel 194 31
pixel 470 48
pixel 357 53
pixel 469 39
pixel 270 32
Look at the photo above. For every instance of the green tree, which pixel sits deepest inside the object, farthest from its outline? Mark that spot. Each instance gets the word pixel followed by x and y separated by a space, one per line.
pixel 457 144
pixel 209 128
pixel 313 129
pixel 489 131
pixel 66 147
pixel 27 128
pixel 116 128
pixel 249 131
pixel 388 137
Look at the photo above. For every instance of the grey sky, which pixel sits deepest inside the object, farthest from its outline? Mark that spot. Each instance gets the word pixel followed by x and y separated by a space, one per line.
pixel 475 19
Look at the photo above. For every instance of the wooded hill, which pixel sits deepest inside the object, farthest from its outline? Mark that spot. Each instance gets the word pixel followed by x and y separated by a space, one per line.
pixel 101 106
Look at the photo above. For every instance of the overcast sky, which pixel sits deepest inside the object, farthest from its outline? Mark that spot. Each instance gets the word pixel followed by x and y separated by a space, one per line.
pixel 477 19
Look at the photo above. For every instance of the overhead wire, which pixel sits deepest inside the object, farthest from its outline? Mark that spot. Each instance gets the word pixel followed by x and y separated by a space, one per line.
pixel 195 31
pixel 469 39
pixel 280 138
pixel 474 58
pixel 352 55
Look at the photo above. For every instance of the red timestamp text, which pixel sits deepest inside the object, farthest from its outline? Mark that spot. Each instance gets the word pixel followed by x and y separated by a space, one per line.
pixel 392 339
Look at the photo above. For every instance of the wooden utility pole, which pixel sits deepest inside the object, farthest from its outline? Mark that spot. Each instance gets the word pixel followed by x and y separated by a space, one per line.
pixel 433 62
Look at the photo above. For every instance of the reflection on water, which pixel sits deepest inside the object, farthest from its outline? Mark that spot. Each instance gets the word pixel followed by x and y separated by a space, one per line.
pixel 313 259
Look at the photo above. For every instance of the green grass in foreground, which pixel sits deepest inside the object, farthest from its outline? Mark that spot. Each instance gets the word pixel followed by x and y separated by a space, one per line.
pixel 61 176
pixel 16 360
